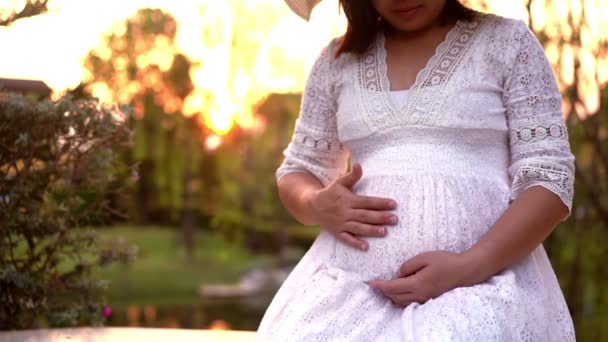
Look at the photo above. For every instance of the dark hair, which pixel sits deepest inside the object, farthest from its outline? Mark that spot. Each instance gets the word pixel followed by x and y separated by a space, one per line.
pixel 364 22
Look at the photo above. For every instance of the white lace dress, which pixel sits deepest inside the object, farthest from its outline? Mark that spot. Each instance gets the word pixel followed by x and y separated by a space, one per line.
pixel 482 123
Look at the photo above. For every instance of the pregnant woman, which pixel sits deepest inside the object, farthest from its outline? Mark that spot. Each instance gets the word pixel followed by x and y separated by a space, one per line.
pixel 461 168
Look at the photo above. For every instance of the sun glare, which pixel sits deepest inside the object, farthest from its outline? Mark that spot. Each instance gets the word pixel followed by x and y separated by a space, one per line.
pixel 242 52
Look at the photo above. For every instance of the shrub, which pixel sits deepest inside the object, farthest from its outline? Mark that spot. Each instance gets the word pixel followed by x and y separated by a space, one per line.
pixel 59 160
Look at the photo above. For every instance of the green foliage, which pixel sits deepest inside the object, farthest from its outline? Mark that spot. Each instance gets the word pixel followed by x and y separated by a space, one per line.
pixel 58 163
pixel 142 67
pixel 249 200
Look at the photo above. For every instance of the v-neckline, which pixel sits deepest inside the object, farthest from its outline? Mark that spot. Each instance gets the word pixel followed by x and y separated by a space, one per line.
pixel 382 53
pixel 428 91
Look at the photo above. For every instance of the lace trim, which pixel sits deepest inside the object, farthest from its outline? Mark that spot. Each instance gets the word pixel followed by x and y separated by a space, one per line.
pixel 526 135
pixel 369 86
pixel 373 84
pixel 449 55
pixel 443 66
pixel 320 143
pixel 560 183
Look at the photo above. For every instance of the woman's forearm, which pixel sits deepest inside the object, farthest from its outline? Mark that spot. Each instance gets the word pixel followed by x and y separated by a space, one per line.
pixel 528 221
pixel 296 190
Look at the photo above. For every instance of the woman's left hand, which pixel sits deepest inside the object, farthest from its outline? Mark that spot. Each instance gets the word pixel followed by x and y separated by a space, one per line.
pixel 425 276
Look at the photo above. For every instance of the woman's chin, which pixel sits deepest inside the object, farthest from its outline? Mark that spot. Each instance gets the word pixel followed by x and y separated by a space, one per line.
pixel 407 26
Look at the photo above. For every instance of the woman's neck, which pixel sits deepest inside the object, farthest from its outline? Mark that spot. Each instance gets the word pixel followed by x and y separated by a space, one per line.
pixel 430 33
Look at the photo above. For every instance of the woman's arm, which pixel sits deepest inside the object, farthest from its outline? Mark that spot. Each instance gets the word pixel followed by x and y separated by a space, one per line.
pixel 314 156
pixel 311 180
pixel 527 222
pixel 542 165
pixel 523 227
pixel 296 191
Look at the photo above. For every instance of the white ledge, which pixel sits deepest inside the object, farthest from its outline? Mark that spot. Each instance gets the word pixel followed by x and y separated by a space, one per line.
pixel 125 334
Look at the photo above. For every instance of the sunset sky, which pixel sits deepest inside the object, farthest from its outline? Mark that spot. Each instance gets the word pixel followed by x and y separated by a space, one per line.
pixel 51 47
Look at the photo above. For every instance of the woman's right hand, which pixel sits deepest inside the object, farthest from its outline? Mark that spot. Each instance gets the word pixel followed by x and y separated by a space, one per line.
pixel 346 215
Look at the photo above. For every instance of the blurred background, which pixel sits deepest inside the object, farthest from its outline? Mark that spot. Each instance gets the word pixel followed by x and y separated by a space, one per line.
pixel 139 142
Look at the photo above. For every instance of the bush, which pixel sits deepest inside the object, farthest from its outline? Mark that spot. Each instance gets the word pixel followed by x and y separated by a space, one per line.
pixel 59 160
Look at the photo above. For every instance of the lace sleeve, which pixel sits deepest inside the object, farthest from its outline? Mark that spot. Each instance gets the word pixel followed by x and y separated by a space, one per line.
pixel 540 149
pixel 314 146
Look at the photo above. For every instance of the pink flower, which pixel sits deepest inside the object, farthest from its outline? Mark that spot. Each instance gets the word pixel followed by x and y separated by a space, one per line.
pixel 107 311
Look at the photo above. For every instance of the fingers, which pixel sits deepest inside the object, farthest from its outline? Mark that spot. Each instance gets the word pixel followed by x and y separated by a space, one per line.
pixel 403 299
pixel 361 229
pixel 394 286
pixel 412 265
pixel 363 215
pixel 370 202
pixel 360 201
pixel 353 241
pixel 401 291
pixel 351 177
pixel 372 217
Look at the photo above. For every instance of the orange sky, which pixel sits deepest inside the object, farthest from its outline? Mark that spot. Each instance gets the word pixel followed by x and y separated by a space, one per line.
pixel 73 27
pixel 50 47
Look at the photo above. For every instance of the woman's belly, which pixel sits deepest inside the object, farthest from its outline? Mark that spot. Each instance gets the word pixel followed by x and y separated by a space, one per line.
pixel 435 212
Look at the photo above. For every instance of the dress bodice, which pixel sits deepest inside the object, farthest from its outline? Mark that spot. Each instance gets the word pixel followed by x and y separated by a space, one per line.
pixel 487 97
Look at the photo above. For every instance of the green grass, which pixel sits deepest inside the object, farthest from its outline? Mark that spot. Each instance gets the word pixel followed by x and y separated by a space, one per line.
pixel 161 275
pixel 296 231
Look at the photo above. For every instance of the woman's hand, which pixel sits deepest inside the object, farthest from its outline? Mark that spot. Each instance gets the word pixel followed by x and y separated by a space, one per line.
pixel 425 276
pixel 346 215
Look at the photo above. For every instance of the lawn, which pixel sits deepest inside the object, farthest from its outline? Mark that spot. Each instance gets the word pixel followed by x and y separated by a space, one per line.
pixel 161 275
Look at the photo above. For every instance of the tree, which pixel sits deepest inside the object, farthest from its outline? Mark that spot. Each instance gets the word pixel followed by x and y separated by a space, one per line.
pixel 142 67
pixel 30 9
pixel 249 204
pixel 58 161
